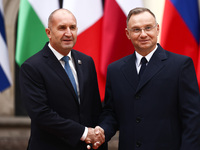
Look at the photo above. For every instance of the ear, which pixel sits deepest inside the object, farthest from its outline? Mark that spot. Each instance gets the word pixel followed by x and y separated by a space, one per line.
pixel 48 32
pixel 127 33
pixel 158 29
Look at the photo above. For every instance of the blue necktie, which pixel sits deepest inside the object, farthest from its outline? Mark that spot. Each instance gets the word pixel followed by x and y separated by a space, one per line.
pixel 69 73
pixel 143 67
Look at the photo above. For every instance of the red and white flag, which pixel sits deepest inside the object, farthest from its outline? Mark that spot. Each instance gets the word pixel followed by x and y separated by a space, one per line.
pixel 89 15
pixel 115 44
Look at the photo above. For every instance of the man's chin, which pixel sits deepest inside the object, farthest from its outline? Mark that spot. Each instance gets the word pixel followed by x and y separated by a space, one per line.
pixel 68 46
pixel 144 46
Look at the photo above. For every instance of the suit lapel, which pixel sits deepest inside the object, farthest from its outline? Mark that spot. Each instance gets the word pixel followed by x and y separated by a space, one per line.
pixel 78 66
pixel 54 64
pixel 154 66
pixel 130 72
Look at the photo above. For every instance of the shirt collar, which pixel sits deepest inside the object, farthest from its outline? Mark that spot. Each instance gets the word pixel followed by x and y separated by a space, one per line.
pixel 57 54
pixel 148 57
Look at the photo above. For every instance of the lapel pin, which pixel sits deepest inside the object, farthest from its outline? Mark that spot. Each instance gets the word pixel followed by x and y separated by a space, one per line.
pixel 79 62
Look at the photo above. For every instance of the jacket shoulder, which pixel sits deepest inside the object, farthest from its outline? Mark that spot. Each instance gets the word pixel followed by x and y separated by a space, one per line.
pixel 120 62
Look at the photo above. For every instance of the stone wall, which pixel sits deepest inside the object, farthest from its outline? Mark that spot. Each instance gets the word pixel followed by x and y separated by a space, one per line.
pixel 15 132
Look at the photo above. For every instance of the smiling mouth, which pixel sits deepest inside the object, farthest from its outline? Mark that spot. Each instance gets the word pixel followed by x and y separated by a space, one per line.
pixel 67 40
pixel 144 41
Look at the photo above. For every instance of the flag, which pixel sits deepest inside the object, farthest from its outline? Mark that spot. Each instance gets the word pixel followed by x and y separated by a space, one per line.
pixel 89 15
pixel 32 21
pixel 5 76
pixel 181 29
pixel 115 44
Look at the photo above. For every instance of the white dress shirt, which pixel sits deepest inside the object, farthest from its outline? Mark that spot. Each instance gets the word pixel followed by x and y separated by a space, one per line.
pixel 139 57
pixel 71 64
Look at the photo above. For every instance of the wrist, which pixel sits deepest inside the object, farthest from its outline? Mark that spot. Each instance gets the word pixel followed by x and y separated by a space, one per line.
pixel 85 133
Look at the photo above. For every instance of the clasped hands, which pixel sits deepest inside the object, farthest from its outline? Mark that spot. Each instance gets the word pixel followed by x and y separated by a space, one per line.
pixel 95 137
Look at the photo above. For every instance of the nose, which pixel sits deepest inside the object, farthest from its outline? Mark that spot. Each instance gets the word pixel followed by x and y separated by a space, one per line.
pixel 68 32
pixel 143 33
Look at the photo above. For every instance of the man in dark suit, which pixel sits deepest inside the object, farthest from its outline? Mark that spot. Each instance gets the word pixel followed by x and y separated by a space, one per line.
pixel 63 106
pixel 155 104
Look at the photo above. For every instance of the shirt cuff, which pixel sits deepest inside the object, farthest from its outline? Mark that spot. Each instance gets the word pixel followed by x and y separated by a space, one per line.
pixel 84 134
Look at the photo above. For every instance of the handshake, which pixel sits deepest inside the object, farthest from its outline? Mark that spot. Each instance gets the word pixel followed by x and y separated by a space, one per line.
pixel 95 137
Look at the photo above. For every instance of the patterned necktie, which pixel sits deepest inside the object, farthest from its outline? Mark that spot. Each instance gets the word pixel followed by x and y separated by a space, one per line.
pixel 143 67
pixel 69 73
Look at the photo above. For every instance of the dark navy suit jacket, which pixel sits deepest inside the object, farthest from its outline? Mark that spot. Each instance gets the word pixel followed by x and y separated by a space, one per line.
pixel 57 119
pixel 159 112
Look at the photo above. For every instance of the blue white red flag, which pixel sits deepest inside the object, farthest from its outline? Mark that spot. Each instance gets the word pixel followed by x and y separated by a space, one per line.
pixel 5 77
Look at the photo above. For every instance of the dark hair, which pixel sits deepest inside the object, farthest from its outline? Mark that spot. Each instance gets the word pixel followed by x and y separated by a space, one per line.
pixel 136 11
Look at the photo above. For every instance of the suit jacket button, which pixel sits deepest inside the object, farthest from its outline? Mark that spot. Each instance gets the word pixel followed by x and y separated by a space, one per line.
pixel 138 144
pixel 138 120
pixel 137 96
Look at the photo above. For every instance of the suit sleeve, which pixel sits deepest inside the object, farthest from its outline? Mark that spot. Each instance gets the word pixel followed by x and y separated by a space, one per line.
pixel 189 100
pixel 34 94
pixel 108 120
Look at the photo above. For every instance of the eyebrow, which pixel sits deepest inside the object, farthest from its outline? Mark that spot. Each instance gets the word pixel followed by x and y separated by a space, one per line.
pixel 142 26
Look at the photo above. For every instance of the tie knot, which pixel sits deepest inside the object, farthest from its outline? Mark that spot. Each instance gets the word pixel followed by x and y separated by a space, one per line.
pixel 65 59
pixel 143 60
